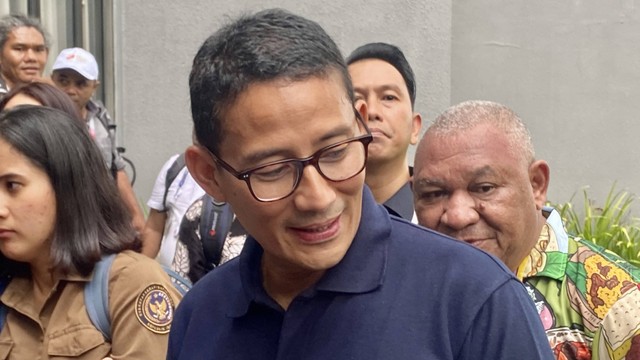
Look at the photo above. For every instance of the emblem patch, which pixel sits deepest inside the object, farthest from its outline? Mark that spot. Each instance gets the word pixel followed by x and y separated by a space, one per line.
pixel 154 309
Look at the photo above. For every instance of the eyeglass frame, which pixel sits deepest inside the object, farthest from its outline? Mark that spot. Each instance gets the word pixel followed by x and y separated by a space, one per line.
pixel 302 163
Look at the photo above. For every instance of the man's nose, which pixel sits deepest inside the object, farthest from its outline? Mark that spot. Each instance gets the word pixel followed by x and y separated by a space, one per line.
pixel 4 208
pixel 373 109
pixel 314 192
pixel 30 55
pixel 460 211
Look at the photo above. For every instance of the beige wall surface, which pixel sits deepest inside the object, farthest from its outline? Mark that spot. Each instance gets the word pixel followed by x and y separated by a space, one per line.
pixel 570 69
pixel 158 39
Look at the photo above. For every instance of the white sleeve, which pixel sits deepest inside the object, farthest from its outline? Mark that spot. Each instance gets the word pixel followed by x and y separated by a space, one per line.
pixel 157 194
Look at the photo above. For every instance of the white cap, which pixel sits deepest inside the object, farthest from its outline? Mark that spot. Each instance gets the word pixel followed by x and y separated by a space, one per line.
pixel 79 60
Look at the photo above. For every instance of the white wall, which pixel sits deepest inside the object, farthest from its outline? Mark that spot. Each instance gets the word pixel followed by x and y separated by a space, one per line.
pixel 571 69
pixel 160 37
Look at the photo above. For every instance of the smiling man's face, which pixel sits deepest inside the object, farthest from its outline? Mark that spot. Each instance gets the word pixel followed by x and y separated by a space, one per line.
pixel 23 56
pixel 475 187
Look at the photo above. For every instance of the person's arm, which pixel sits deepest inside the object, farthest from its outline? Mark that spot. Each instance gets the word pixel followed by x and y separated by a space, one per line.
pixel 142 301
pixel 129 198
pixel 152 233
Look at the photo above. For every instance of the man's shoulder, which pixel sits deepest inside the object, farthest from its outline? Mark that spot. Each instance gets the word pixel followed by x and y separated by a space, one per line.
pixel 596 259
pixel 94 105
pixel 415 237
pixel 609 277
pixel 97 109
pixel 401 203
pixel 436 252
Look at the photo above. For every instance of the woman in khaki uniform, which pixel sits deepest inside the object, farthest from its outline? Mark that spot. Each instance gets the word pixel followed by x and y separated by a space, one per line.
pixel 59 214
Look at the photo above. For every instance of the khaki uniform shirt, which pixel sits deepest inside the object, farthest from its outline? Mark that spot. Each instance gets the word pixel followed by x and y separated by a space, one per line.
pixel 141 304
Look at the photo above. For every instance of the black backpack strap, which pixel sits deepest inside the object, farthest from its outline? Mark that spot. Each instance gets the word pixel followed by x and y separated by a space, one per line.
pixel 172 174
pixel 215 222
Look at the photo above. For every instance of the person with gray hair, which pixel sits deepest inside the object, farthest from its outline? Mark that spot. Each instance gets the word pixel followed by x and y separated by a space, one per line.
pixel 325 272
pixel 24 48
pixel 477 179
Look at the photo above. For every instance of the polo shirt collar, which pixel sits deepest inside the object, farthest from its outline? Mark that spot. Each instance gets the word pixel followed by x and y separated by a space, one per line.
pixel 360 271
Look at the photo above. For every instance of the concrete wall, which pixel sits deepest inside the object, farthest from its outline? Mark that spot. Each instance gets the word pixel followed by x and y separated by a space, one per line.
pixel 160 37
pixel 570 69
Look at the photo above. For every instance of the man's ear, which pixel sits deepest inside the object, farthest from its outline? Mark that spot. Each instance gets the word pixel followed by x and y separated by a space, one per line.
pixel 416 126
pixel 204 170
pixel 539 178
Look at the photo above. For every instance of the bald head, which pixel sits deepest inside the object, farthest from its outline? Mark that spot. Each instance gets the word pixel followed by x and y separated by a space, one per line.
pixel 470 114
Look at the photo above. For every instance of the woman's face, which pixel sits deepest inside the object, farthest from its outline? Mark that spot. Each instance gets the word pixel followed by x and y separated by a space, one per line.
pixel 27 208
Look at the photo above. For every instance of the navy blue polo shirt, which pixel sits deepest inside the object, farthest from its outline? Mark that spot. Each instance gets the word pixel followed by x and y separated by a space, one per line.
pixel 400 292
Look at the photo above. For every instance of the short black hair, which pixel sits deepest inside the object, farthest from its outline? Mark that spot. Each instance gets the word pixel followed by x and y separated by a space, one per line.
pixel 91 219
pixel 392 55
pixel 268 45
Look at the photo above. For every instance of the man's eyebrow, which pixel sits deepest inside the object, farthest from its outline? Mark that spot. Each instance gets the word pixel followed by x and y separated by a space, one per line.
pixel 378 88
pixel 385 87
pixel 28 44
pixel 424 182
pixel 485 170
pixel 256 157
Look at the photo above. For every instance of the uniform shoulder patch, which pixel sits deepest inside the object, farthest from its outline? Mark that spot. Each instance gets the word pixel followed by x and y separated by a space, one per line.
pixel 154 309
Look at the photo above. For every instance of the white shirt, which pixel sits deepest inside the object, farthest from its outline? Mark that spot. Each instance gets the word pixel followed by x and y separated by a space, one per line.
pixel 183 191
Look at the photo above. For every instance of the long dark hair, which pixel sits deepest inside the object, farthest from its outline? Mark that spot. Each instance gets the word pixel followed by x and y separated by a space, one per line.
pixel 91 219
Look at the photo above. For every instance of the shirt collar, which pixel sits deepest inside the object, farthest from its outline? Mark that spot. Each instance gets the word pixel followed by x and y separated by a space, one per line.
pixel 361 270
pixel 401 203
pixel 18 293
pixel 548 257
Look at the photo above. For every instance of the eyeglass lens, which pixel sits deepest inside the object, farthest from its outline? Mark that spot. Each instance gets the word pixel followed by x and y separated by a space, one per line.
pixel 336 163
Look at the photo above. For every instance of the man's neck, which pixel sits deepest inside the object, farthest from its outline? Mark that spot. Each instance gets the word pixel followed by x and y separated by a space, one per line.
pixel 84 112
pixel 386 179
pixel 284 285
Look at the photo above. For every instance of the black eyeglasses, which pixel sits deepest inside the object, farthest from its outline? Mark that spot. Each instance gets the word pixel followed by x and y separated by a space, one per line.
pixel 277 180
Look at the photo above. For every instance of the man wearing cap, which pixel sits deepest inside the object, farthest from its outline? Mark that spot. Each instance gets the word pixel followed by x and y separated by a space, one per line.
pixel 24 48
pixel 384 82
pixel 75 71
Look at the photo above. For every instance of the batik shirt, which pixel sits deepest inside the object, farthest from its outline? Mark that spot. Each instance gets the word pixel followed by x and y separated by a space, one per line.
pixel 588 298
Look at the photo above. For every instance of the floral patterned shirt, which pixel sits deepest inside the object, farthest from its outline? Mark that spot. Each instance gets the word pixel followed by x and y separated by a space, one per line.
pixel 588 298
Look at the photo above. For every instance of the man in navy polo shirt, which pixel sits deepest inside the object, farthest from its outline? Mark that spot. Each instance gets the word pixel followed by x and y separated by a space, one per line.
pixel 326 273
